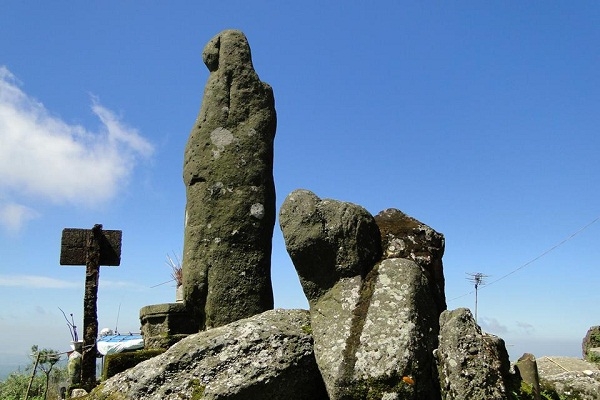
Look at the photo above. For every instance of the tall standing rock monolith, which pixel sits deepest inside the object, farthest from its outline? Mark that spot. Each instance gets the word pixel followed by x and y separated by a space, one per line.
pixel 228 174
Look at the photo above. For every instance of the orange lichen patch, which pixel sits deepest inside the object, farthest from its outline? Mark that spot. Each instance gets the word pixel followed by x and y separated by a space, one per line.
pixel 408 380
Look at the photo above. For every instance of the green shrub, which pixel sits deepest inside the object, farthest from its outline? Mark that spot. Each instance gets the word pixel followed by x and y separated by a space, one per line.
pixel 593 357
pixel 15 385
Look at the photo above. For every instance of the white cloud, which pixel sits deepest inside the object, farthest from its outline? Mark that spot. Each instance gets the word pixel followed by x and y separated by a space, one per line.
pixel 108 284
pixel 492 325
pixel 117 132
pixel 36 282
pixel 45 158
pixel 44 282
pixel 526 327
pixel 13 216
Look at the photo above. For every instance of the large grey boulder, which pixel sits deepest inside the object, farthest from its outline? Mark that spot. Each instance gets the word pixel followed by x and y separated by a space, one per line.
pixel 228 175
pixel 268 356
pixel 471 364
pixel 375 325
pixel 403 236
pixel 328 241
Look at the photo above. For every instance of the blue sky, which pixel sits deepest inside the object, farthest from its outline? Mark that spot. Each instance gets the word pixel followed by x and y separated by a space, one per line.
pixel 478 118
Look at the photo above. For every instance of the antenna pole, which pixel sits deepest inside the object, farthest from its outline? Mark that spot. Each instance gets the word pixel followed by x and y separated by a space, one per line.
pixel 477 278
pixel 476 286
pixel 117 324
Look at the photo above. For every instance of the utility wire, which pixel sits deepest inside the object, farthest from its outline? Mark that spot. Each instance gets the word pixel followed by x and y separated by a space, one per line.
pixel 160 284
pixel 536 258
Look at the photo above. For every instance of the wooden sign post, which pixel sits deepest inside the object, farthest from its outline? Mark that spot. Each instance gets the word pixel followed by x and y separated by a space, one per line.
pixel 92 248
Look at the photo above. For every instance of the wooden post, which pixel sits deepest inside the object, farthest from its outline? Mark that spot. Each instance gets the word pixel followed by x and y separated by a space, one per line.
pixel 90 310
pixel 37 360
pixel 93 248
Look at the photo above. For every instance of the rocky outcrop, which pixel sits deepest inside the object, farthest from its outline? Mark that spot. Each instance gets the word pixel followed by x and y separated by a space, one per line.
pixel 228 175
pixel 590 345
pixel 403 236
pixel 375 285
pixel 471 364
pixel 268 356
pixel 375 324
pixel 388 354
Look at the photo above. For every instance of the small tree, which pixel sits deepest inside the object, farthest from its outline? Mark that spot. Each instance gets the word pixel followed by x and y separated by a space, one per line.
pixel 46 359
pixel 23 384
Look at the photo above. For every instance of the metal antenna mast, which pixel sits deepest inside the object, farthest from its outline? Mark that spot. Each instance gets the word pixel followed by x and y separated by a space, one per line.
pixel 477 278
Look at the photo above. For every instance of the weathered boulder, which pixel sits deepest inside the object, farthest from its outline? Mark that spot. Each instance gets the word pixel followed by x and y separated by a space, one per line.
pixel 375 325
pixel 228 175
pixel 328 241
pixel 405 237
pixel 471 364
pixel 268 356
